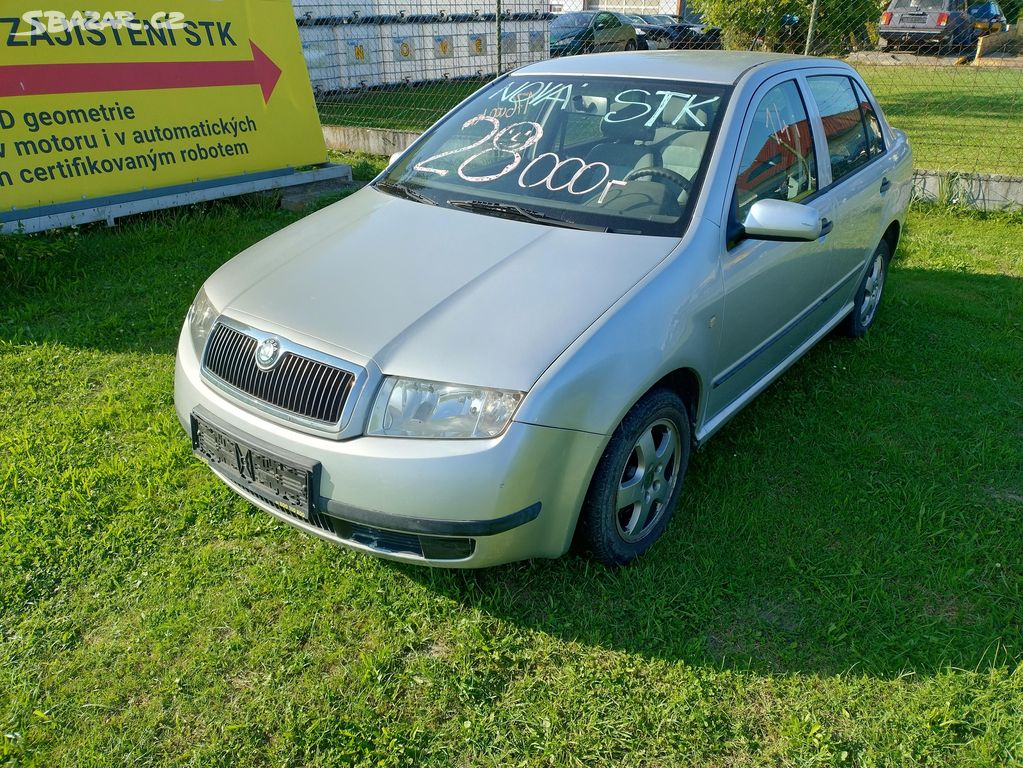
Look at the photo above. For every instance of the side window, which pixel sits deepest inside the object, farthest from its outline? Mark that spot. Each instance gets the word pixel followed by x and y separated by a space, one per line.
pixel 778 161
pixel 875 137
pixel 843 124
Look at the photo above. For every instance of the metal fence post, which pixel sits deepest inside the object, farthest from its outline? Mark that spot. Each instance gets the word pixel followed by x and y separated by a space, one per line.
pixel 809 31
pixel 499 68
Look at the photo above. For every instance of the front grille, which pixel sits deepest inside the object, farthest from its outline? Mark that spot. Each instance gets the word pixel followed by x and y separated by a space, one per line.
pixel 297 384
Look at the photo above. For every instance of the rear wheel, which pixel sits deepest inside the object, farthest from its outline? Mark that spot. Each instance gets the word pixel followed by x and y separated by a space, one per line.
pixel 869 293
pixel 637 483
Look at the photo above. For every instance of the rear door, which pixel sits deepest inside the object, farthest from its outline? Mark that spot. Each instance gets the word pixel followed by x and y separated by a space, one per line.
pixel 857 180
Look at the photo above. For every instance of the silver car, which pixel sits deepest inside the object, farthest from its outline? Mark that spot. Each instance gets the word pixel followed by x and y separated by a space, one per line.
pixel 517 335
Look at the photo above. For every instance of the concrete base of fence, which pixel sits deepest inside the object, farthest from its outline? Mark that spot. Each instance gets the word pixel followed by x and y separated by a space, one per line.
pixel 986 192
pixel 375 141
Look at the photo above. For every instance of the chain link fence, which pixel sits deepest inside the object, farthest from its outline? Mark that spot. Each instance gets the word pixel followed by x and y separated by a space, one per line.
pixel 948 72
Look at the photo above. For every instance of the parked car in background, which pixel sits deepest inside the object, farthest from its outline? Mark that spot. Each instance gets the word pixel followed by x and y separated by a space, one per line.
pixel 519 332
pixel 944 26
pixel 683 32
pixel 642 44
pixel 988 17
pixel 649 37
pixel 591 32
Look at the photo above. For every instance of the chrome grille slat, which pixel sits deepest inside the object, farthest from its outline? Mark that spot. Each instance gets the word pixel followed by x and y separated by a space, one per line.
pixel 330 388
pixel 309 388
pixel 317 381
pixel 287 366
pixel 216 346
pixel 300 377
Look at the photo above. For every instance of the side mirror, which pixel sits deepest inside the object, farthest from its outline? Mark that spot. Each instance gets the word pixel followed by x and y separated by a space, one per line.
pixel 784 221
pixel 394 158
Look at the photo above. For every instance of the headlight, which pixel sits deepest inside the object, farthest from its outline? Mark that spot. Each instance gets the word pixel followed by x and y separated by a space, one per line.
pixel 201 316
pixel 415 408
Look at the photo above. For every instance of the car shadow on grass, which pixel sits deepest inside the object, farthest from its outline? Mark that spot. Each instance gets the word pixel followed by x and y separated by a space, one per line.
pixel 863 514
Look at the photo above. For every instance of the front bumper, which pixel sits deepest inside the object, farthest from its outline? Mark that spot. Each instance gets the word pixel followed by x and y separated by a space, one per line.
pixel 449 503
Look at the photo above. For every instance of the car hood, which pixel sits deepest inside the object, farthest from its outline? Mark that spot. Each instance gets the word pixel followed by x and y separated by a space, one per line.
pixel 434 293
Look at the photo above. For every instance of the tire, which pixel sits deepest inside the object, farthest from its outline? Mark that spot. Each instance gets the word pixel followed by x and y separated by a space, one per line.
pixel 638 481
pixel 630 45
pixel 869 293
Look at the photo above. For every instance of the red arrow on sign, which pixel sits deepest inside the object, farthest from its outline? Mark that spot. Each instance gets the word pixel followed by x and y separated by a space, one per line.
pixel 45 79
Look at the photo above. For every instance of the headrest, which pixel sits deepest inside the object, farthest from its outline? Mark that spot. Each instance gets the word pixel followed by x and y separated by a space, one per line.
pixel 629 130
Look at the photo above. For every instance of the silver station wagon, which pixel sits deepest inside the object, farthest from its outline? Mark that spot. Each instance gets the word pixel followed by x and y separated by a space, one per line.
pixel 518 333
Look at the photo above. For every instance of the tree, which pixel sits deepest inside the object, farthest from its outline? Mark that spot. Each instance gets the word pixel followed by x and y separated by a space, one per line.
pixel 783 25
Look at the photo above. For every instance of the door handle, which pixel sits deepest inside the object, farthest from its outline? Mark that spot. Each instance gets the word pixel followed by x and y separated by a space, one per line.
pixel 885 185
pixel 826 226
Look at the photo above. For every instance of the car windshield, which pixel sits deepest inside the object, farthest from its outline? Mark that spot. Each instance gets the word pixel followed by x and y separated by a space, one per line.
pixel 620 154
pixel 571 20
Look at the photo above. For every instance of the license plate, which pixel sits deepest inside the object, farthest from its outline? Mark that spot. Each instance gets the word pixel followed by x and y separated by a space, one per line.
pixel 914 20
pixel 269 473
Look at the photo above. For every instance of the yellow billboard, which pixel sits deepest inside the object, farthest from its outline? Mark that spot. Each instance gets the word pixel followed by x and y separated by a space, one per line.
pixel 103 104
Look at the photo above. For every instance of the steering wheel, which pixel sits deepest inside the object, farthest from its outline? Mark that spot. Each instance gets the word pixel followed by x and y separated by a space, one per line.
pixel 664 174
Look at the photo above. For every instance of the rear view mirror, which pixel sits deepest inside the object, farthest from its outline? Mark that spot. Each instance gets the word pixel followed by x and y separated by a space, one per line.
pixel 590 105
pixel 785 221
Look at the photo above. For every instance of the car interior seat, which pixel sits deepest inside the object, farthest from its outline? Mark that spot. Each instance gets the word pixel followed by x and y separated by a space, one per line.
pixel 681 139
pixel 626 147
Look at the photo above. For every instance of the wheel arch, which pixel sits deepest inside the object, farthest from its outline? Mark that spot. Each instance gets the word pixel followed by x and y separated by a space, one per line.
pixel 685 382
pixel 892 236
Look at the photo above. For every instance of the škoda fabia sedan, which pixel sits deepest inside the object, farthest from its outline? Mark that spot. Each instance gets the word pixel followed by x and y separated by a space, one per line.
pixel 518 333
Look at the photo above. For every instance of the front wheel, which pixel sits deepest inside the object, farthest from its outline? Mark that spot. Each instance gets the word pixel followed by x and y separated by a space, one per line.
pixel 631 45
pixel 868 294
pixel 637 483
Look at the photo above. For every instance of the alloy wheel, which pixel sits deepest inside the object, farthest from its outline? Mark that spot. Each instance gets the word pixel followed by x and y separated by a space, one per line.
pixel 648 480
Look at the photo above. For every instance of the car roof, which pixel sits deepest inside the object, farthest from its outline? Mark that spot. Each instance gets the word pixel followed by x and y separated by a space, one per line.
pixel 722 67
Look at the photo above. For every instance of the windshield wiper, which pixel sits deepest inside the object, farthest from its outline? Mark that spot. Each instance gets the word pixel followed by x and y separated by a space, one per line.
pixel 522 214
pixel 404 191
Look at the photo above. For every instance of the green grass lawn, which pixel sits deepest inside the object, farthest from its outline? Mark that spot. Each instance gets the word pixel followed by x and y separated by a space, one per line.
pixel 965 118
pixel 409 108
pixel 841 584
pixel 962 118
